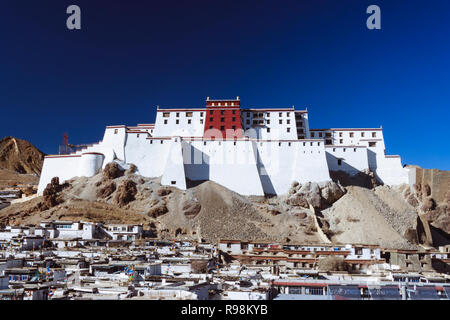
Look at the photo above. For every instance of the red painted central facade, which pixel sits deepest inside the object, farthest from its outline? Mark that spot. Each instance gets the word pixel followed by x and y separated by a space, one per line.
pixel 223 119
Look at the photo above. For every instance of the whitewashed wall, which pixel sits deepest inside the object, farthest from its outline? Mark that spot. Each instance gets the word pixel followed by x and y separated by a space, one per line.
pixel 353 159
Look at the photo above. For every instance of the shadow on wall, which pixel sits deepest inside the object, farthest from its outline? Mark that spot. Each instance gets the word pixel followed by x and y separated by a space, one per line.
pixel 196 165
pixel 334 162
pixel 263 176
pixel 348 175
pixel 373 164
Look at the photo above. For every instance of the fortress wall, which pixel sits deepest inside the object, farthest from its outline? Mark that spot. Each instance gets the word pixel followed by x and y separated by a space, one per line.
pixel 280 163
pixel 353 159
pixel 90 164
pixel 68 167
pixel 174 174
pixel 390 170
pixel 311 165
pixel 114 143
pixel 64 167
pixel 149 155
pixel 229 163
pixel 250 167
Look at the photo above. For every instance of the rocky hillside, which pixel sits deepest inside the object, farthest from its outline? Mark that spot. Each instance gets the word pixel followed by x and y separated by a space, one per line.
pixel 20 156
pixel 309 213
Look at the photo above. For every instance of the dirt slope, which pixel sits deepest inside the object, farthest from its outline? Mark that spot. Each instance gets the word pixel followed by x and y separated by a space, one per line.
pixel 210 211
pixel 379 216
pixel 20 156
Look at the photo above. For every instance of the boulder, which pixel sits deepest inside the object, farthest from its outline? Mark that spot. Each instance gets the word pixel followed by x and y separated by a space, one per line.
pixel 163 192
pixel 191 208
pixel 157 210
pixel 126 193
pixel 131 170
pixel 106 190
pixel 428 205
pixel 412 201
pixel 331 192
pixel 112 171
pixel 298 200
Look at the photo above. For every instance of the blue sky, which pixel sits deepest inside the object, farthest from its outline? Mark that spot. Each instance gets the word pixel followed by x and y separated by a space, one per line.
pixel 133 55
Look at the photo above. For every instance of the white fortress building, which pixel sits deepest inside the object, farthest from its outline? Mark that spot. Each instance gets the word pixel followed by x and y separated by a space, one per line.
pixel 250 151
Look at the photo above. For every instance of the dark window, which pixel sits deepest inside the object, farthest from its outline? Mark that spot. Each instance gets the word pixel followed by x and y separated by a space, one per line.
pixel 189 121
pixel 234 119
pixel 339 162
pixel 211 119
pixel 211 112
pixel 165 121
pixel 222 127
pixel 173 182
pixel 234 127
pixel 178 114
pixel 281 121
pixel 178 121
pixel 288 129
pixel 234 111
pixel 222 112
pixel 222 119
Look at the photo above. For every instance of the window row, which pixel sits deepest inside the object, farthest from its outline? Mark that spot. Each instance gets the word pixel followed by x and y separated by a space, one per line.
pixel 177 114
pixel 222 112
pixel 267 114
pixel 362 134
pixel 177 121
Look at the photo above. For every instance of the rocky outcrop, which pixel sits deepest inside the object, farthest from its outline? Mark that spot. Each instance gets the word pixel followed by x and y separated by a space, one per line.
pixel 51 194
pixel 126 193
pixel 191 208
pixel 112 171
pixel 157 210
pixel 20 156
pixel 163 192
pixel 106 190
pixel 318 195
